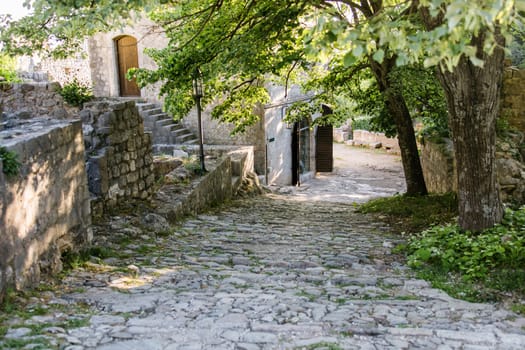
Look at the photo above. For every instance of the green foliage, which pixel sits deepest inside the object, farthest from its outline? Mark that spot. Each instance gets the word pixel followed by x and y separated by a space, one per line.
pixel 305 110
pixel 396 31
pixel 76 93
pixel 234 44
pixel 363 122
pixel 473 267
pixel 473 255
pixel 193 165
pixel 370 101
pixel 517 48
pixel 73 260
pixel 424 97
pixel 413 214
pixel 8 69
pixel 10 163
pixel 58 28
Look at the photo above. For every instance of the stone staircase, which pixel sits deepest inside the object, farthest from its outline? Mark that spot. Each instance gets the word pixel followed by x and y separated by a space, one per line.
pixel 164 129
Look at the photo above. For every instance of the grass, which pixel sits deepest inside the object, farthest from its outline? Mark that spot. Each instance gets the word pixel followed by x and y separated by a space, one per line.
pixel 322 345
pixel 309 296
pixel 19 308
pixel 413 214
pixel 36 343
pixel 482 267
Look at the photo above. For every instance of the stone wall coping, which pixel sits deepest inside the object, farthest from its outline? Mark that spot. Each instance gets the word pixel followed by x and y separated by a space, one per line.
pixel 35 127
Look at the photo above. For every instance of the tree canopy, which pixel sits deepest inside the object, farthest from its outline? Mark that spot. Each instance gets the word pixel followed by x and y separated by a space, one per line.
pixel 239 45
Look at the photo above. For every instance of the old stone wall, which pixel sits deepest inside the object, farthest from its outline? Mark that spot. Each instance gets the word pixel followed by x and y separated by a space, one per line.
pixel 439 170
pixel 439 167
pixel 44 209
pixel 31 100
pixel 513 98
pixel 119 154
pixel 216 187
pixel 62 71
pixel 374 139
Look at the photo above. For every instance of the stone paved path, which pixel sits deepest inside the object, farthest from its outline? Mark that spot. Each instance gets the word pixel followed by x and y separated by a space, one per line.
pixel 359 175
pixel 273 272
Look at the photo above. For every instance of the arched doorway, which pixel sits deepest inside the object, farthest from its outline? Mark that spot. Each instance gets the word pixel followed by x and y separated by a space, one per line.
pixel 127 57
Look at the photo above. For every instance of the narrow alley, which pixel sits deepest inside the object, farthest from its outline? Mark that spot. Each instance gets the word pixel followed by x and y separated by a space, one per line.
pixel 296 269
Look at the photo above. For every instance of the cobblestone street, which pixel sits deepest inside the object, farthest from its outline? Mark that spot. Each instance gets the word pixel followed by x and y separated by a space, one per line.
pixel 280 271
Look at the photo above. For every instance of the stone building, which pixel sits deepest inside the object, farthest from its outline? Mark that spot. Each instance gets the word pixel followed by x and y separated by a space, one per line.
pixel 283 154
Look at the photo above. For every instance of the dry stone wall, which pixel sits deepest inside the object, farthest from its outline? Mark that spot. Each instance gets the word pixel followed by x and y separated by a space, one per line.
pixel 119 154
pixel 30 100
pixel 63 71
pixel 374 139
pixel 513 98
pixel 44 209
pixel 439 168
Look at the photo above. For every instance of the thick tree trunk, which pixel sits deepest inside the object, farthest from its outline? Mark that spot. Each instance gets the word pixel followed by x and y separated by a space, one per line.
pixel 473 96
pixel 397 108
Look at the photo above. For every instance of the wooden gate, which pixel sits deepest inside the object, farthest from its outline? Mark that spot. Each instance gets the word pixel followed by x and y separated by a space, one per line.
pixel 127 58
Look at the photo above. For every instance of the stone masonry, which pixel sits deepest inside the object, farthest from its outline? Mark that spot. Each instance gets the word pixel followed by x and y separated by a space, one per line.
pixel 119 156
pixel 44 210
pixel 439 167
pixel 31 100
pixel 513 98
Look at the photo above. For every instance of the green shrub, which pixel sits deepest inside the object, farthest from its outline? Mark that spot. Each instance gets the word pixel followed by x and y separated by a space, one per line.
pixel 193 165
pixel 76 93
pixel 362 123
pixel 473 255
pixel 8 69
pixel 10 162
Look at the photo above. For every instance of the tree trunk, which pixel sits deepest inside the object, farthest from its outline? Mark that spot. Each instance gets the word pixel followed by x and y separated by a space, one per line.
pixel 398 109
pixel 473 98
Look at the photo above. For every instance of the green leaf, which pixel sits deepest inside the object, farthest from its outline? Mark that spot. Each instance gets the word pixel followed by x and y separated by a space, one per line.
pixel 349 60
pixel 379 55
pixel 423 254
pixel 358 51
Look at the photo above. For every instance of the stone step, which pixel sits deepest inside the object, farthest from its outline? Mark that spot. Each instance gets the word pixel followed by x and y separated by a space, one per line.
pixel 163 122
pixel 185 138
pixel 163 128
pixel 145 106
pixel 152 111
pixel 155 117
pixel 173 127
pixel 180 132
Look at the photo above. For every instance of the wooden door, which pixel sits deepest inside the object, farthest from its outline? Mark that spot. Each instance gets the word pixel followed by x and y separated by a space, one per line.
pixel 324 146
pixel 324 160
pixel 127 58
pixel 296 176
